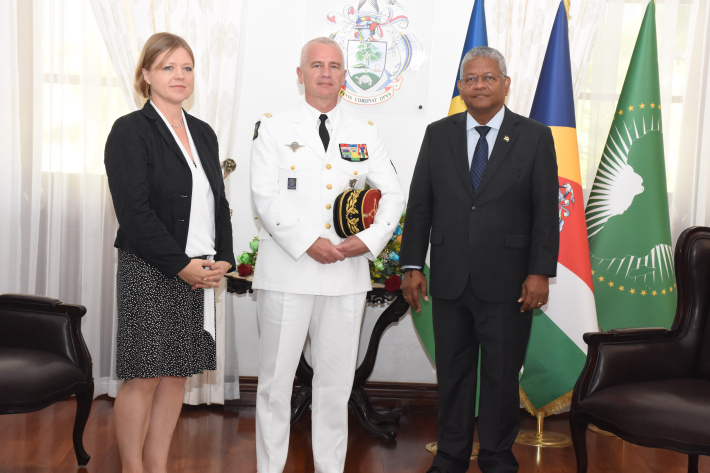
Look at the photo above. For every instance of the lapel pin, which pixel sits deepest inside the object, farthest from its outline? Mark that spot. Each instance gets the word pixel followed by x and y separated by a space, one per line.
pixel 294 146
pixel 506 138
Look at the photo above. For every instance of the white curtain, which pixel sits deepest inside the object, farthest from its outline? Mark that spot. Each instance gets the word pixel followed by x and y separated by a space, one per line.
pixel 211 29
pixel 57 219
pixel 683 29
pixel 690 203
pixel 10 168
pixel 521 29
pixel 61 96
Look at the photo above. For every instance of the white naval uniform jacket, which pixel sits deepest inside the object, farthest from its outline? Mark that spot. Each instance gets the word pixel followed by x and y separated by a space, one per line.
pixel 292 219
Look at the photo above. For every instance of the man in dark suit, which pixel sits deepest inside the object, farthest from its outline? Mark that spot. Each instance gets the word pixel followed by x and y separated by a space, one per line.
pixel 484 195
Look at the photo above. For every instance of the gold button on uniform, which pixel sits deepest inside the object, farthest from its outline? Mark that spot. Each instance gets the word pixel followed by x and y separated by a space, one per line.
pixel 328 166
pixel 293 167
pixel 327 225
pixel 329 187
pixel 355 173
pixel 327 206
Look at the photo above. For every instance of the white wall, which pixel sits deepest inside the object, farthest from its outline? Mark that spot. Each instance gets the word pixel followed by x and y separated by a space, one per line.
pixel 271 42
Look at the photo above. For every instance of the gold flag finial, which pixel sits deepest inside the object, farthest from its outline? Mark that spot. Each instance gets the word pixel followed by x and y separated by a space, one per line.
pixel 567 3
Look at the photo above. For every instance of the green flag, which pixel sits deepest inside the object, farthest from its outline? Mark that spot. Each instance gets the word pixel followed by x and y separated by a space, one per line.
pixel 627 212
pixel 424 324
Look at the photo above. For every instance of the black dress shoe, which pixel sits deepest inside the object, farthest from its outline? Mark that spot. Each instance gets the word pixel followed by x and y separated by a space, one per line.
pixel 436 469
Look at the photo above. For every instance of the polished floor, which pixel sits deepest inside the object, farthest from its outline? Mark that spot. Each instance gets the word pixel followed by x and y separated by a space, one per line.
pixel 220 439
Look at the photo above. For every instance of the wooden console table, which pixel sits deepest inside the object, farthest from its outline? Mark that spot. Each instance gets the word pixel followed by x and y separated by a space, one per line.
pixel 379 423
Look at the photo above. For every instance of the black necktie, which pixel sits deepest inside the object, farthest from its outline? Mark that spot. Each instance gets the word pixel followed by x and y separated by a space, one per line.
pixel 480 156
pixel 323 131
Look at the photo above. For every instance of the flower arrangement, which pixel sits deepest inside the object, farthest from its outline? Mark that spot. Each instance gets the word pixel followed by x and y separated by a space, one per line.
pixel 247 260
pixel 383 270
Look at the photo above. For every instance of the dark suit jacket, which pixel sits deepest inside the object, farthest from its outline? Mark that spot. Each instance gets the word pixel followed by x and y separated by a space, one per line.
pixel 500 235
pixel 151 187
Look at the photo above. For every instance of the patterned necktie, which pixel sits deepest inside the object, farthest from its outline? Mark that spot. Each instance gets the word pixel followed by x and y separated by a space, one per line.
pixel 323 131
pixel 480 156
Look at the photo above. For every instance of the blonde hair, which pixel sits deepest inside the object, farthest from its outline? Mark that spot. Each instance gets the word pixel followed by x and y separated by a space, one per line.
pixel 154 47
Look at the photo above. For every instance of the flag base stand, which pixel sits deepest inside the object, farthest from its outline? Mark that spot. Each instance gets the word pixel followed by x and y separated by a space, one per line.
pixel 597 430
pixel 432 447
pixel 543 439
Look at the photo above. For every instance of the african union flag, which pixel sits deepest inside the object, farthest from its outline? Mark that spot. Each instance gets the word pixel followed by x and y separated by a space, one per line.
pixel 627 212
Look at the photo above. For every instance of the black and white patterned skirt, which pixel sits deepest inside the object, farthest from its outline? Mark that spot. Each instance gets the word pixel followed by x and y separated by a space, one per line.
pixel 160 323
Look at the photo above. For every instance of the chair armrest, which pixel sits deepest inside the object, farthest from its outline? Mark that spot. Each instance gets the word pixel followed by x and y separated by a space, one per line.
pixel 29 299
pixel 625 335
pixel 44 324
pixel 623 356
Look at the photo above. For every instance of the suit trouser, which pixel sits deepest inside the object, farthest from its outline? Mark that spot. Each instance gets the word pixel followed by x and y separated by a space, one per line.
pixel 502 332
pixel 334 324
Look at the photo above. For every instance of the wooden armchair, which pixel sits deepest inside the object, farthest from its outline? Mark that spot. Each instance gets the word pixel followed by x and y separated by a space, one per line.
pixel 651 386
pixel 43 359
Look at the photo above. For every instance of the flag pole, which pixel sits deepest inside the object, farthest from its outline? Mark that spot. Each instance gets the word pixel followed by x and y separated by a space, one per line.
pixel 540 438
pixel 542 379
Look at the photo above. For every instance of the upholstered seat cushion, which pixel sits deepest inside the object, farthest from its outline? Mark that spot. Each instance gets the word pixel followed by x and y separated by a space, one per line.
pixel 31 377
pixel 676 409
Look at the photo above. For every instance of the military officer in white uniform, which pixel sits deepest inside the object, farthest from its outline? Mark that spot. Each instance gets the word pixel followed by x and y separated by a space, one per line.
pixel 311 281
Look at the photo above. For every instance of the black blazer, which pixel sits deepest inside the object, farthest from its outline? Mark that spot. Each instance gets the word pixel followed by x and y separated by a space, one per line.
pixel 151 187
pixel 500 235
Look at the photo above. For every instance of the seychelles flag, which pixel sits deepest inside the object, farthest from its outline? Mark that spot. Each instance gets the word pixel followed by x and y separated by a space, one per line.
pixel 556 352
pixel 476 35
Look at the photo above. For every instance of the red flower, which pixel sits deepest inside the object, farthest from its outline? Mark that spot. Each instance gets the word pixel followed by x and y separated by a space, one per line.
pixel 393 283
pixel 245 269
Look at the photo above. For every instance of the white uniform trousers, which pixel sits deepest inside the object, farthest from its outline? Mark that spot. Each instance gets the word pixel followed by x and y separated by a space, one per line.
pixel 334 324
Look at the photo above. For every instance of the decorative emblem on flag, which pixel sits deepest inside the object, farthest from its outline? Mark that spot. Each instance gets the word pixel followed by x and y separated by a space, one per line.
pixel 620 198
pixel 376 51
pixel 565 197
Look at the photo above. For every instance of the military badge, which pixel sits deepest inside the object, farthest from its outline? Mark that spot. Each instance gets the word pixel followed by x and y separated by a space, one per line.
pixel 294 146
pixel 291 184
pixel 353 152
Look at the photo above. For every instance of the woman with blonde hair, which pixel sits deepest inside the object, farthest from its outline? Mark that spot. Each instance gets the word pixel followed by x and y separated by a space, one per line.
pixel 174 245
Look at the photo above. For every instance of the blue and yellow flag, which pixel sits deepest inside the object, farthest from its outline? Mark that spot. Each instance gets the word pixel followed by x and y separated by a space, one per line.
pixel 475 36
pixel 556 352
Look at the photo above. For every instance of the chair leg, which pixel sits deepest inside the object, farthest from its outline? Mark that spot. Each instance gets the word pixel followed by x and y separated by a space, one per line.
pixel 692 464
pixel 578 429
pixel 83 408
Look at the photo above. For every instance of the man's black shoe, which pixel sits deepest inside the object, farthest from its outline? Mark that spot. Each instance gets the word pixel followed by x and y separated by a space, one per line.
pixel 436 469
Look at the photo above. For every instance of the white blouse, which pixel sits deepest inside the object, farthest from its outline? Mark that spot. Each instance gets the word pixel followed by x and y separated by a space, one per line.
pixel 201 232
